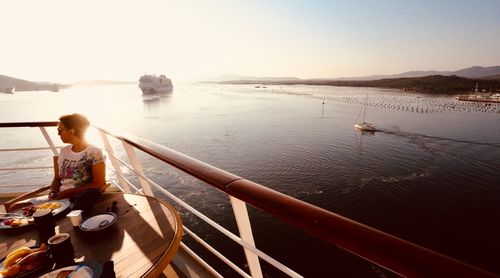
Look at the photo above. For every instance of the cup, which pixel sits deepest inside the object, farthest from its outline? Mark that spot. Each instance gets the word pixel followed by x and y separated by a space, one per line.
pixel 76 217
pixel 45 224
pixel 61 249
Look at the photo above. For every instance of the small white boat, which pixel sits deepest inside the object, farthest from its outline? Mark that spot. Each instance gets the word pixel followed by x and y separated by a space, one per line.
pixel 150 84
pixel 364 126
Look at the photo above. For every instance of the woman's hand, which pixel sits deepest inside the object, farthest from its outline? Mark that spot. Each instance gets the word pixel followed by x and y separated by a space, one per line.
pixel 52 195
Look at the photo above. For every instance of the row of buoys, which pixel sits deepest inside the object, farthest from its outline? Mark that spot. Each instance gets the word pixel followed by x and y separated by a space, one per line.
pixel 405 102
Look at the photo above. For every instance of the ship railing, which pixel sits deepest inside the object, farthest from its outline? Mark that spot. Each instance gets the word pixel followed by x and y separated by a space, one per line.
pixel 124 184
pixel 397 255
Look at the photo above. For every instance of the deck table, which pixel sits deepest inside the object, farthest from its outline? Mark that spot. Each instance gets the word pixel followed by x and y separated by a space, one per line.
pixel 142 241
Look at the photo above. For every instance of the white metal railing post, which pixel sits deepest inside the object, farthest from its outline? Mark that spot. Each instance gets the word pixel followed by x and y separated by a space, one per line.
pixel 245 229
pixel 227 233
pixel 114 161
pixel 136 164
pixel 49 140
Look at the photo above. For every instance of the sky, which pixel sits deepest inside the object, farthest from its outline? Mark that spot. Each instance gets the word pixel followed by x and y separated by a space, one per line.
pixel 65 41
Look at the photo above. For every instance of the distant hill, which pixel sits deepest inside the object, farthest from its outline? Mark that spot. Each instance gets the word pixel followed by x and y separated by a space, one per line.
pixel 408 74
pixel 428 84
pixel 478 72
pixel 443 82
pixel 25 85
pixel 472 72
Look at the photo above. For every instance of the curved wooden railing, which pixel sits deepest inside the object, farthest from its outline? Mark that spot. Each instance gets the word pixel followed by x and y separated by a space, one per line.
pixel 395 254
pixel 400 256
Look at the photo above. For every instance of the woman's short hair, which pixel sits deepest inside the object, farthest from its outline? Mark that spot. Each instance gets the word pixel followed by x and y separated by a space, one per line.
pixel 77 122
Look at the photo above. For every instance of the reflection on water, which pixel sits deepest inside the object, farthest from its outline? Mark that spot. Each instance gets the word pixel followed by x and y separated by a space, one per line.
pixel 429 174
pixel 156 101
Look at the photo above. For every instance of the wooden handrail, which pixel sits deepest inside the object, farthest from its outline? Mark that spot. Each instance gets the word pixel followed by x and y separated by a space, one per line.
pixel 400 256
pixel 28 124
pixel 395 254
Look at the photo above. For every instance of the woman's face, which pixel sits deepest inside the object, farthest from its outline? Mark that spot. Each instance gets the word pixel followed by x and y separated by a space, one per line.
pixel 65 133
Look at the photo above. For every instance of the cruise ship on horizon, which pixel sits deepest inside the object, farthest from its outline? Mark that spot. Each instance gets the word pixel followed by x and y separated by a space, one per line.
pixel 151 84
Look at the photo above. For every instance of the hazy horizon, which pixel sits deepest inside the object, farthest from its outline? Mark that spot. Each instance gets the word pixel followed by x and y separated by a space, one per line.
pixel 62 41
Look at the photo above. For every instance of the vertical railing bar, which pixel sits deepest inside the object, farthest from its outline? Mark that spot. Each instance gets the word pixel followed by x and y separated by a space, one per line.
pixel 127 165
pixel 116 165
pixel 136 164
pixel 138 171
pixel 137 190
pixel 245 229
pixel 199 260
pixel 216 253
pixel 227 233
pixel 230 235
pixel 49 140
pixel 117 186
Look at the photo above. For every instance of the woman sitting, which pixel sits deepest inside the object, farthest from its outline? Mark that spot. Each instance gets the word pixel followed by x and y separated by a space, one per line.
pixel 81 174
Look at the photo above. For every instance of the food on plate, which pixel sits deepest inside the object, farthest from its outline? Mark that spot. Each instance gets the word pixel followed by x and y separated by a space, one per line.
pixel 23 259
pixel 14 222
pixel 63 273
pixel 16 254
pixel 7 221
pixel 29 210
pixel 11 271
pixel 10 222
pixel 49 205
pixel 32 260
pixel 18 219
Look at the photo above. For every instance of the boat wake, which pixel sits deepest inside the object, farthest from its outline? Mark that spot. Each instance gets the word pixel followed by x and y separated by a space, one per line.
pixel 395 179
pixel 413 136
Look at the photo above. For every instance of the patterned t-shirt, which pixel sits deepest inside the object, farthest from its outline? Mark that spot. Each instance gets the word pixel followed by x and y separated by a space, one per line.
pixel 75 169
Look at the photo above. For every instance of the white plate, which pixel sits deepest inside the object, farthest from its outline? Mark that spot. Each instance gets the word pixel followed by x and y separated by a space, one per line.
pixel 24 222
pixel 43 200
pixel 83 271
pixel 7 215
pixel 63 202
pixel 98 222
pixel 36 202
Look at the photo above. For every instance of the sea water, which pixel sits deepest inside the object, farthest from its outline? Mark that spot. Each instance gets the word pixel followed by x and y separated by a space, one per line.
pixel 428 175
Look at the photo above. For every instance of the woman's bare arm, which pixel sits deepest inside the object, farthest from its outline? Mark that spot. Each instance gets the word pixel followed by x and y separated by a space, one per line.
pixel 98 181
pixel 56 181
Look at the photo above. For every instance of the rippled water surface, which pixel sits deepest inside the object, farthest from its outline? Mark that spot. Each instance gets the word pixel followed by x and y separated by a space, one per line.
pixel 430 174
